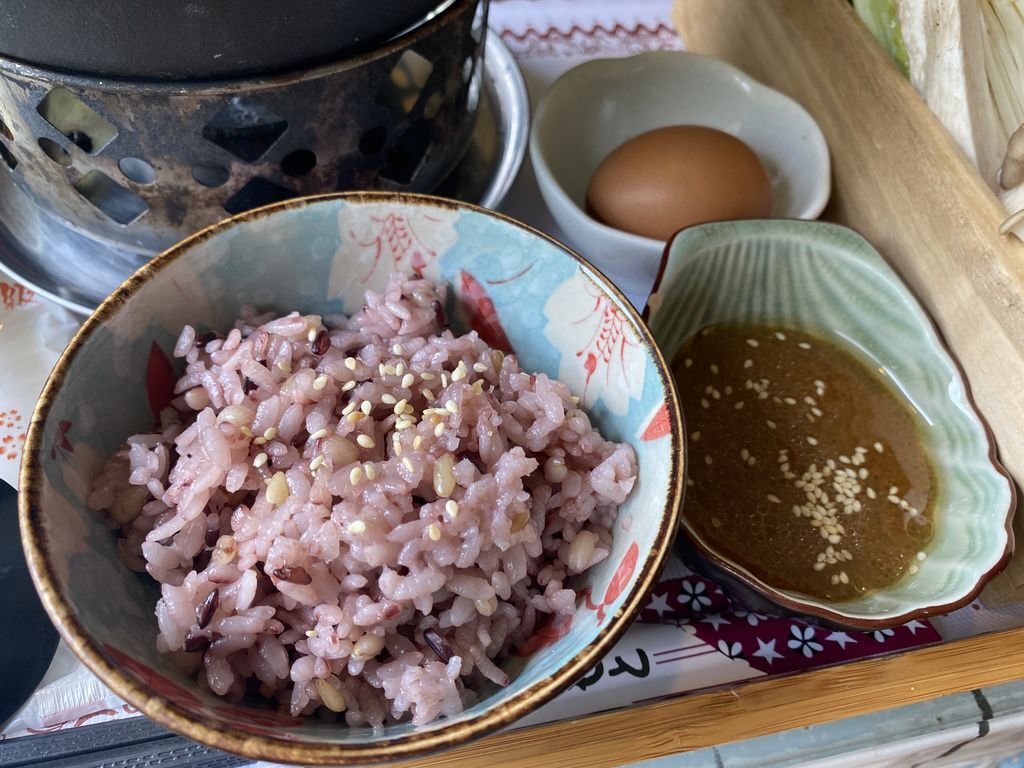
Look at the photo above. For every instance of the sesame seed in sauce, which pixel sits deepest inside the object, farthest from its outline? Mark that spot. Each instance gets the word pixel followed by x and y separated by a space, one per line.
pixel 739 405
pixel 753 342
pixel 780 336
pixel 832 487
pixel 687 363
pixel 879 448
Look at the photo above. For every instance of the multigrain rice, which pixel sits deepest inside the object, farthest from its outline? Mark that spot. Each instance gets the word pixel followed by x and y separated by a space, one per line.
pixel 363 515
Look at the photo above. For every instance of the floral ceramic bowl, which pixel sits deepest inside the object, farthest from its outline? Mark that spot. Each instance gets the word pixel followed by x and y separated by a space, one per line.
pixel 594 108
pixel 822 277
pixel 514 285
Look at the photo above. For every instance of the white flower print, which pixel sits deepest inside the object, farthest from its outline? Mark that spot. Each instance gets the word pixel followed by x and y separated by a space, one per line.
pixel 378 240
pixel 601 357
pixel 802 640
pixel 733 650
pixel 753 619
pixel 693 593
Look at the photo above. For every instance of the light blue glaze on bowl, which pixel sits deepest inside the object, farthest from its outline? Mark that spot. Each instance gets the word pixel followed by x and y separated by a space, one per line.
pixel 319 256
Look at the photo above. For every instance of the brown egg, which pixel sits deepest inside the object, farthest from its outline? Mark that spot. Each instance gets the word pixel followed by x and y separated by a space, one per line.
pixel 669 178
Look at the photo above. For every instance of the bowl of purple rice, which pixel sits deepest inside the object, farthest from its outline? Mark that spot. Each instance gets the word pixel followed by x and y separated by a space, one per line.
pixel 352 478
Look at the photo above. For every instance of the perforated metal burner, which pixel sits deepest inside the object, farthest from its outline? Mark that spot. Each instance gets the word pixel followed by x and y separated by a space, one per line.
pixel 79 271
pixel 133 167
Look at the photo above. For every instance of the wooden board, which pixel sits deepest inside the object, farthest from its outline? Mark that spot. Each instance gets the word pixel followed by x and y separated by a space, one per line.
pixel 901 181
pixel 747 710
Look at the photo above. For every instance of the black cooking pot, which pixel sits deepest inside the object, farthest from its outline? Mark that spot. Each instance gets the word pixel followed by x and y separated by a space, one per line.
pixel 198 39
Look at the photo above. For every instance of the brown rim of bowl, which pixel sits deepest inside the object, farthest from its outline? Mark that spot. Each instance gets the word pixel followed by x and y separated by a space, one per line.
pixel 263 747
pixel 854 622
pixel 404 39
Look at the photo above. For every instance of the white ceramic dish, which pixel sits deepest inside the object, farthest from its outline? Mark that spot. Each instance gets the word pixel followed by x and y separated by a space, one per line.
pixel 597 106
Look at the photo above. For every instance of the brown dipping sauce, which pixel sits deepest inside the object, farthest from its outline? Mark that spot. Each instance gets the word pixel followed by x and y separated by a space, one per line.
pixel 805 466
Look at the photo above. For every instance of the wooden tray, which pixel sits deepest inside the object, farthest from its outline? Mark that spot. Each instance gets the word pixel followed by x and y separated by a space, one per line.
pixel 899 180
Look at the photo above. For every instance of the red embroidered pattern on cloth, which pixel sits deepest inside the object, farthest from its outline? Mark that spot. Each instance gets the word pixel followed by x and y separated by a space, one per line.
pixel 597 40
pixel 13 295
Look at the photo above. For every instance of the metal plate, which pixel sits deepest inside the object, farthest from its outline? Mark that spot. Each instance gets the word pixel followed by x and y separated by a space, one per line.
pixel 78 271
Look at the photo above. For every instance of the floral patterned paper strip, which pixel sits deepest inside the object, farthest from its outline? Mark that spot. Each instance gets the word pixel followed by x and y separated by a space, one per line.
pixel 33 332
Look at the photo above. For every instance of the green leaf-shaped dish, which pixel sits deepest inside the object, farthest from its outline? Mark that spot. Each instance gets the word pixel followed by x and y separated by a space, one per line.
pixel 827 279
